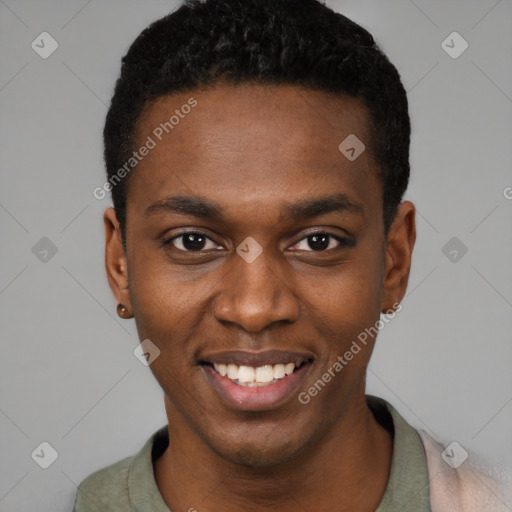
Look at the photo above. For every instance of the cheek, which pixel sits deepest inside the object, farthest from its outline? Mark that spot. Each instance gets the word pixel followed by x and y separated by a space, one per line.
pixel 167 315
pixel 166 310
pixel 159 290
pixel 348 309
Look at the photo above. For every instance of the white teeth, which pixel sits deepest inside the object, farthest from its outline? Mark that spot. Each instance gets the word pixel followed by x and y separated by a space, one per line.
pixel 279 372
pixel 232 371
pixel 246 373
pixel 250 376
pixel 265 373
pixel 288 368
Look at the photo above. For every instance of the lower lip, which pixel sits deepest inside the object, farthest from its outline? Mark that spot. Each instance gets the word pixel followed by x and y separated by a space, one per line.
pixel 258 398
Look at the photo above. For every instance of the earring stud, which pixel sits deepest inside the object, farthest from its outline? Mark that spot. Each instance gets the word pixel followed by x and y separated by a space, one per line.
pixel 121 310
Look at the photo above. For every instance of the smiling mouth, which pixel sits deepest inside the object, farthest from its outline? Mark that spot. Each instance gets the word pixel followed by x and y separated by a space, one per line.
pixel 261 376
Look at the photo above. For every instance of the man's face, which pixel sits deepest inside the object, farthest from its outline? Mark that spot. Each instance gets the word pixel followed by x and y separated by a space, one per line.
pixel 307 282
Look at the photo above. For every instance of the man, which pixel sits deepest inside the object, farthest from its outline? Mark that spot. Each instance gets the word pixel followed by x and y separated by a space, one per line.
pixel 257 153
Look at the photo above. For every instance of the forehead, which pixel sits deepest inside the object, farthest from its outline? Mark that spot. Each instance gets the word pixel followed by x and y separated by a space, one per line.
pixel 258 140
pixel 238 114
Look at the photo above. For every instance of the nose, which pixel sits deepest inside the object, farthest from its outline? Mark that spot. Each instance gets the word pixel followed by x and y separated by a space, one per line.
pixel 255 295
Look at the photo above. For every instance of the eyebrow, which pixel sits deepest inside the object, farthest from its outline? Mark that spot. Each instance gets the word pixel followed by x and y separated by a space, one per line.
pixel 308 208
pixel 188 205
pixel 207 209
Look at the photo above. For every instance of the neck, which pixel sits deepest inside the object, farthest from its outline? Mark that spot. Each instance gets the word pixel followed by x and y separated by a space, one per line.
pixel 346 470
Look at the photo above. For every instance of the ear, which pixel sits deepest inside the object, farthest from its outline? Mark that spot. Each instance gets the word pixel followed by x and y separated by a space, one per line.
pixel 400 244
pixel 115 259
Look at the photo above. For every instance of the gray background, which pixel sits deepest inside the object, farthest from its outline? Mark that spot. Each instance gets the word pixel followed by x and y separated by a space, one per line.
pixel 68 373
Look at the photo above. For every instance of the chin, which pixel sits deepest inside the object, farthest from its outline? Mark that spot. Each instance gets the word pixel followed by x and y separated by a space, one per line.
pixel 258 456
pixel 263 450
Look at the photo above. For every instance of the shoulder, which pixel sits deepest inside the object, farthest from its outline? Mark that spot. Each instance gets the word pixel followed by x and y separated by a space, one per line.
pixel 462 483
pixel 105 489
pixel 128 484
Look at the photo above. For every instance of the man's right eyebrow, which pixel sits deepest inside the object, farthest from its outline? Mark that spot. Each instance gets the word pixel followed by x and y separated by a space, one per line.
pixel 187 205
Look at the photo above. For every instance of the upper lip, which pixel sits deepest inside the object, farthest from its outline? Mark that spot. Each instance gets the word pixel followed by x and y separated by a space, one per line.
pixel 256 359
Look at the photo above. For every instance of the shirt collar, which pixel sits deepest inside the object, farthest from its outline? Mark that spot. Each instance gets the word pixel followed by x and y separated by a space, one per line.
pixel 408 486
pixel 407 489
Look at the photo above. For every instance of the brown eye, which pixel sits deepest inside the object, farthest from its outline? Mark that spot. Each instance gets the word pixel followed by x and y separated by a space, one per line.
pixel 191 241
pixel 322 241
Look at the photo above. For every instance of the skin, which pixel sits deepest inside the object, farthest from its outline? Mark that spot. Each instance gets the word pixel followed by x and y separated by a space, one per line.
pixel 253 149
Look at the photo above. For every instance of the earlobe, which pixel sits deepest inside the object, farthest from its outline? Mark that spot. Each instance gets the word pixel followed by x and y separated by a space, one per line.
pixel 400 245
pixel 115 262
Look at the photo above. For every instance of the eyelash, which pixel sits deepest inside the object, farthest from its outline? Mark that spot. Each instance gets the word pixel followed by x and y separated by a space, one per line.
pixel 342 241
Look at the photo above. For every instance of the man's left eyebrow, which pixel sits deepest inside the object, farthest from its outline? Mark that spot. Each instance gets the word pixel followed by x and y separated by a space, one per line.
pixel 315 207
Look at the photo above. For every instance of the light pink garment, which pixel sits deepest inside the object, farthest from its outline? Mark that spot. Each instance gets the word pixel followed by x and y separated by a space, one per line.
pixel 465 489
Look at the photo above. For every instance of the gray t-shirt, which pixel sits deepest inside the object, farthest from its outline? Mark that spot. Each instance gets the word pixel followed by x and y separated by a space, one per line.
pixel 129 485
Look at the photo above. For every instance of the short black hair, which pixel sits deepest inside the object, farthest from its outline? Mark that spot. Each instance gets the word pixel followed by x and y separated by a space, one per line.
pixel 279 42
